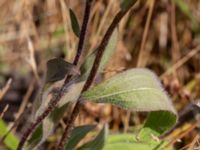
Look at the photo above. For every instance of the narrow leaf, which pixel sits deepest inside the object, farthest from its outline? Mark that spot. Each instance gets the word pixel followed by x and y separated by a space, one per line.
pixel 77 135
pixel 74 23
pixel 98 143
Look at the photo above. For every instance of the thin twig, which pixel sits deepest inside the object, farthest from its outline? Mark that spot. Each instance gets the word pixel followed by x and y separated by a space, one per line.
pixel 182 135
pixel 56 98
pixel 101 25
pixel 31 60
pixel 175 43
pixel 22 109
pixel 181 61
pixel 192 145
pixel 93 72
pixel 4 111
pixel 25 99
pixel 83 31
pixel 145 34
pixel 14 126
pixel 82 35
pixel 5 89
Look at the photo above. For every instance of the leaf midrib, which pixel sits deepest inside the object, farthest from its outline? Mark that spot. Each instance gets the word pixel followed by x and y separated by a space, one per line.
pixel 122 92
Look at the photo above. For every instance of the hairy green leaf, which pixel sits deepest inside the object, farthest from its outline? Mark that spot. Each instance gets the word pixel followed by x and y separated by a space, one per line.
pixel 137 90
pixel 74 23
pixel 125 141
pixel 98 143
pixel 77 135
pixel 11 140
pixel 130 141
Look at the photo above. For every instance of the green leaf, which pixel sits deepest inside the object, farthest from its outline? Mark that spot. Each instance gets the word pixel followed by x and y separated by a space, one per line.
pixel 156 124
pixel 129 142
pixel 77 135
pixel 125 141
pixel 74 23
pixel 137 90
pixel 11 140
pixel 87 65
pixel 98 143
pixel 57 68
pixel 127 146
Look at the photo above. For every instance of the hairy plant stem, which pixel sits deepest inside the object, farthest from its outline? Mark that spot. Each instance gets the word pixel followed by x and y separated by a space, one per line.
pixel 83 31
pixel 93 72
pixel 56 98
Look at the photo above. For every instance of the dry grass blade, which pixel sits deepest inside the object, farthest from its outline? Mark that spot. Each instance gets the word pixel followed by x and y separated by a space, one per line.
pixel 182 61
pixel 5 89
pixel 4 111
pixel 191 128
pixel 25 100
pixel 145 34
pixel 195 143
pixel 31 59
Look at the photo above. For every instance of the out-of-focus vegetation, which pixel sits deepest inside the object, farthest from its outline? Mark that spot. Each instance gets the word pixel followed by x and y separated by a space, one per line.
pixel 163 36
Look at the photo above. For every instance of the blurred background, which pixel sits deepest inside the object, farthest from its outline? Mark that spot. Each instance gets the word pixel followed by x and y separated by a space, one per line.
pixel 161 35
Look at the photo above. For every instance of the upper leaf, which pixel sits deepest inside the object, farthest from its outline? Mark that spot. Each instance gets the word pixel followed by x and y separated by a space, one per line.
pixel 57 68
pixel 74 23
